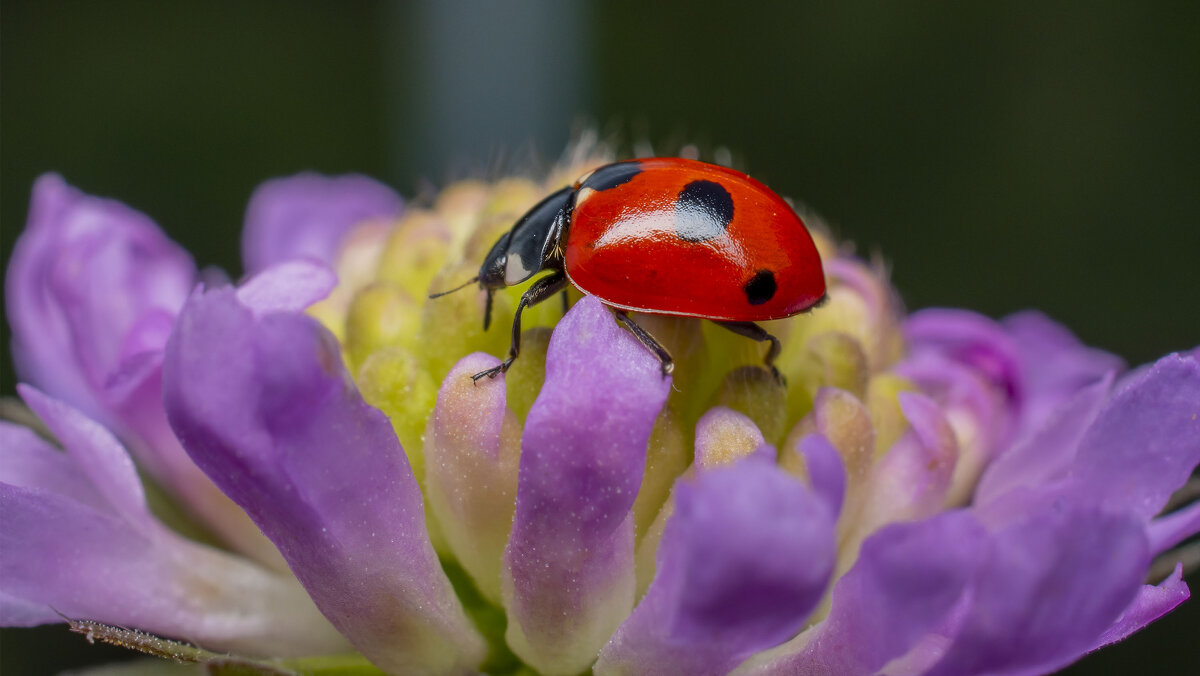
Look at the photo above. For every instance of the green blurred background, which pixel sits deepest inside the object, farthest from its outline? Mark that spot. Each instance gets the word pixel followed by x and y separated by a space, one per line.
pixel 998 156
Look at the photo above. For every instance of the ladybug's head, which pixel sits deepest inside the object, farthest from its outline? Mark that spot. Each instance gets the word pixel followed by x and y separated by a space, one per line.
pixel 530 247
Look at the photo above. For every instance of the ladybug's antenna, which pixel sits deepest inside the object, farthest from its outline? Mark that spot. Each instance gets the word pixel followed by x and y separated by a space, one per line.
pixel 464 285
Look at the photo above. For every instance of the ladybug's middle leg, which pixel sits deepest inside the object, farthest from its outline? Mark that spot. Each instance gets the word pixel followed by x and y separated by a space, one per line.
pixel 755 332
pixel 648 340
pixel 540 291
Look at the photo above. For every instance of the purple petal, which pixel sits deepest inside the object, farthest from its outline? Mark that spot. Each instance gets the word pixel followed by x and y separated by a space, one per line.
pixel 57 554
pixel 472 454
pixel 826 473
pixel 911 481
pixel 86 545
pixel 958 386
pixel 307 215
pixel 568 568
pixel 1152 602
pixel 265 407
pixel 723 436
pixel 287 287
pixel 971 339
pixel 866 283
pixel 93 289
pixel 1054 364
pixel 969 365
pixel 1047 452
pixel 28 461
pixel 56 535
pixel 1050 586
pixel 982 416
pixel 153 443
pixel 1167 531
pixel 15 612
pixel 844 421
pixel 744 559
pixel 907 580
pixel 91 282
pixel 1146 441
pixel 98 455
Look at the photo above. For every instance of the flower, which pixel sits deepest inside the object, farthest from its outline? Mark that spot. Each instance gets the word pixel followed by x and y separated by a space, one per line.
pixel 938 493
pixel 93 290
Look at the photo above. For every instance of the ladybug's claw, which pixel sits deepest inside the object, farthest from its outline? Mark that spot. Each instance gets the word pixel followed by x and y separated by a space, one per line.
pixel 490 373
pixel 495 370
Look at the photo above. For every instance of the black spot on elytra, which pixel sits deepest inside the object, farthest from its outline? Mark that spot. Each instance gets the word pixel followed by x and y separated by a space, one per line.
pixel 612 175
pixel 703 211
pixel 760 289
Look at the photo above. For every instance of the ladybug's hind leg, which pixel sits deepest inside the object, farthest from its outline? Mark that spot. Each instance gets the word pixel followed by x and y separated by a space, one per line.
pixel 540 291
pixel 755 332
pixel 648 340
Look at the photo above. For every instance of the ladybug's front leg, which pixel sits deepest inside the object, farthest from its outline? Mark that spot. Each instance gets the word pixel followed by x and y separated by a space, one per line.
pixel 755 332
pixel 648 340
pixel 540 291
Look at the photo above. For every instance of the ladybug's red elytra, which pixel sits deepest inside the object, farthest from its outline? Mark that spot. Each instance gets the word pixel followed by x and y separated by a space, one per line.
pixel 662 236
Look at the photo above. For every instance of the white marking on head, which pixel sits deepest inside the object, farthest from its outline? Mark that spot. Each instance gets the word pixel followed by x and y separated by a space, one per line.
pixel 515 271
pixel 582 195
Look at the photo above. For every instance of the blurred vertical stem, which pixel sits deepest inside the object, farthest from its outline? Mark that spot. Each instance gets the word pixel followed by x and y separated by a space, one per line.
pixel 474 85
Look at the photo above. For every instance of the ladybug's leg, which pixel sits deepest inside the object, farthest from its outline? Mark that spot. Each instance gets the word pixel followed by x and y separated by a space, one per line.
pixel 540 291
pixel 487 310
pixel 755 332
pixel 648 340
pixel 566 302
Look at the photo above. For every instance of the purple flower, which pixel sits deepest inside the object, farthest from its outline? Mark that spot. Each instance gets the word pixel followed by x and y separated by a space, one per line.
pixel 934 494
pixel 93 290
pixel 78 539
pixel 310 215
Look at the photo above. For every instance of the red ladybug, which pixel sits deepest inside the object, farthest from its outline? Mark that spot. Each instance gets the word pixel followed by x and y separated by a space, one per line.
pixel 663 236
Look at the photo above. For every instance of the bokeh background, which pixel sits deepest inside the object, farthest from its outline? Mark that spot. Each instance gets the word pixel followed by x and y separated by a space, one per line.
pixel 999 156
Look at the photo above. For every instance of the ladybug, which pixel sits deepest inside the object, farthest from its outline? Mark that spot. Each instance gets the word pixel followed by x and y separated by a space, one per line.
pixel 666 236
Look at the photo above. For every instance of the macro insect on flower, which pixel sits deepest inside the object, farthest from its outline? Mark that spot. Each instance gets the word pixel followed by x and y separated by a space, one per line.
pixel 664 235
pixel 927 493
